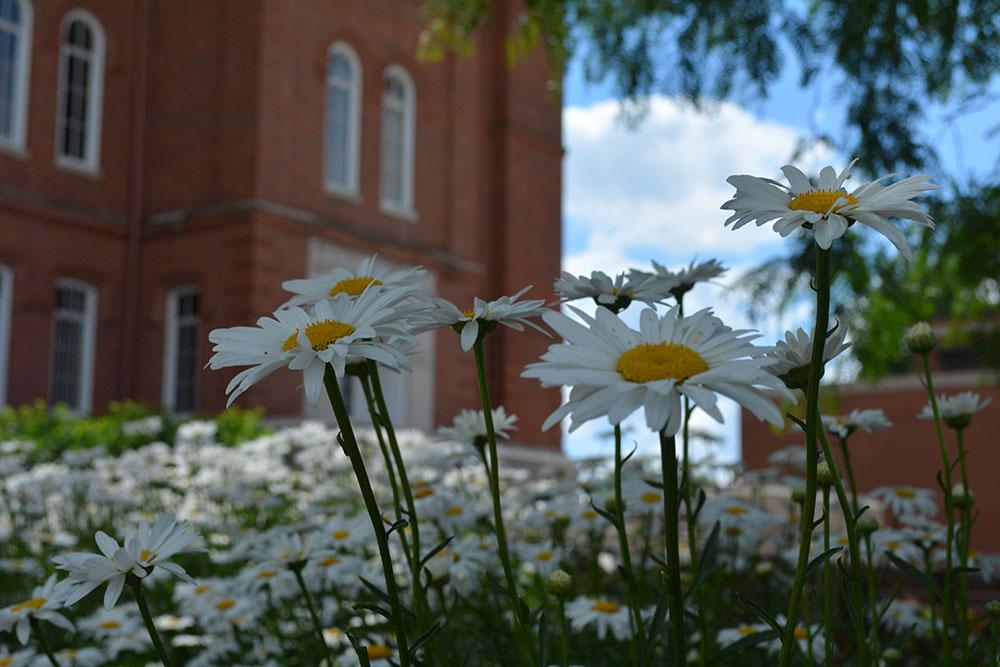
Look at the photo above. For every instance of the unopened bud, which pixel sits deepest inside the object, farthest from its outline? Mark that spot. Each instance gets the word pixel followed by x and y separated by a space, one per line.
pixel 993 609
pixel 799 494
pixel 919 338
pixel 962 497
pixel 611 505
pixel 891 656
pixel 867 525
pixel 824 474
pixel 764 568
pixel 559 583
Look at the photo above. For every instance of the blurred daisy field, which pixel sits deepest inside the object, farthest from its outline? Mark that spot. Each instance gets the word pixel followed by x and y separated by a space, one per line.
pixel 131 539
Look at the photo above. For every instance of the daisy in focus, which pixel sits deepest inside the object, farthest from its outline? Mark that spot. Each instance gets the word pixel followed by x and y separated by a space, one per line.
pixel 482 318
pixel 869 421
pixel 825 207
pixel 618 293
pixel 614 370
pixel 310 291
pixel 957 410
pixel 790 357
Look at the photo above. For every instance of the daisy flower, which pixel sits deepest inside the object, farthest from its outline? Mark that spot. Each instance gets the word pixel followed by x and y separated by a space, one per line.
pixel 825 207
pixel 336 332
pixel 728 636
pixel 869 421
pixel 143 550
pixel 402 284
pixel 469 427
pixel 42 605
pixel 21 658
pixel 618 293
pixel 957 410
pixel 292 551
pixel 615 370
pixel 907 501
pixel 809 638
pixel 687 277
pixel 83 657
pixel 790 358
pixel 542 558
pixel 599 615
pixel 483 317
pixel 905 614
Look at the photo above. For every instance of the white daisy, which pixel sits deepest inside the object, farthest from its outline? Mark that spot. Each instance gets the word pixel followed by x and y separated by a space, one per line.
pixel 542 558
pixel 143 550
pixel 907 501
pixel 687 277
pixel 42 605
pixel 469 426
pixel 728 636
pixel 825 206
pixel 83 657
pixel 905 614
pixel 617 293
pixel 484 316
pixel 957 410
pixel 601 615
pixel 869 421
pixel 790 357
pixel 337 332
pixel 291 550
pixel 21 658
pixel 402 284
pixel 615 370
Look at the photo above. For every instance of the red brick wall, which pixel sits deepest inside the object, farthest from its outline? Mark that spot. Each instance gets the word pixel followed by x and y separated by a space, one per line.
pixel 908 453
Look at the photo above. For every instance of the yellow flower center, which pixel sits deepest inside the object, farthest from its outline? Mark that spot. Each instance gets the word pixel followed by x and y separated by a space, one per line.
pixel 746 630
pixel 223 605
pixel 423 492
pixel 649 362
pixel 323 334
pixel 651 497
pixel 202 588
pixel 291 342
pixel 605 607
pixel 353 286
pixel 110 625
pixel 67 653
pixel 893 545
pixel 544 556
pixel 800 633
pixel 733 530
pixel 145 555
pixel 453 511
pixel 736 510
pixel 33 603
pixel 341 534
pixel 468 313
pixel 589 515
pixel 903 492
pixel 328 561
pixel 379 652
pixel 267 574
pixel 4 662
pixel 820 201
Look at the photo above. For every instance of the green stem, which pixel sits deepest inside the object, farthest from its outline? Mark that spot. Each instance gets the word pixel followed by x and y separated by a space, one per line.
pixel 827 581
pixel 813 425
pixel 872 594
pixel 563 633
pixel 850 474
pixel 520 622
pixel 43 641
pixel 350 445
pixel 631 583
pixel 949 516
pixel 965 543
pixel 317 624
pixel 140 598
pixel 929 569
pixel 420 600
pixel 671 510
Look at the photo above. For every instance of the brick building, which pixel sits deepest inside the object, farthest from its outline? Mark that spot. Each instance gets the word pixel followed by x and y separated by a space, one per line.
pixel 166 164
pixel 908 453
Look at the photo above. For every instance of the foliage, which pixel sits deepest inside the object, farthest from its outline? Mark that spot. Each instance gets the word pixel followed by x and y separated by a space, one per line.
pixel 890 60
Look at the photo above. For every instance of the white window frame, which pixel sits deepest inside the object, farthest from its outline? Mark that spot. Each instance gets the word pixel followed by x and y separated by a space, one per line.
pixel 91 161
pixel 172 322
pixel 6 307
pixel 86 397
pixel 354 88
pixel 405 207
pixel 22 77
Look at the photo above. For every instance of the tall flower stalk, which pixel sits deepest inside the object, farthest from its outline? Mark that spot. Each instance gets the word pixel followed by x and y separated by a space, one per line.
pixel 631 581
pixel 671 512
pixel 349 443
pixel 965 541
pixel 135 584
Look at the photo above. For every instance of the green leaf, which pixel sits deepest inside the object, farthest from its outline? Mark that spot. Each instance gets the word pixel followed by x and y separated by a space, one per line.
pixel 761 612
pixel 742 645
pixel 916 574
pixel 820 559
pixel 435 551
pixel 430 634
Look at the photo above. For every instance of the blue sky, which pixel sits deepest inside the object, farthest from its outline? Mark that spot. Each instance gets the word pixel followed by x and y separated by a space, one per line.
pixel 654 192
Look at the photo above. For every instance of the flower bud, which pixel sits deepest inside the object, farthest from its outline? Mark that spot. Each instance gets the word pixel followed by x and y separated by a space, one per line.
pixel 867 525
pixel 993 609
pixel 891 656
pixel 962 497
pixel 559 583
pixel 799 494
pixel 764 568
pixel 919 338
pixel 824 474
pixel 611 505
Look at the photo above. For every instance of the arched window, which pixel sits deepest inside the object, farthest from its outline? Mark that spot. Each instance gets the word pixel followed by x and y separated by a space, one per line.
pixel 398 113
pixel 342 134
pixel 81 88
pixel 74 323
pixel 15 59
